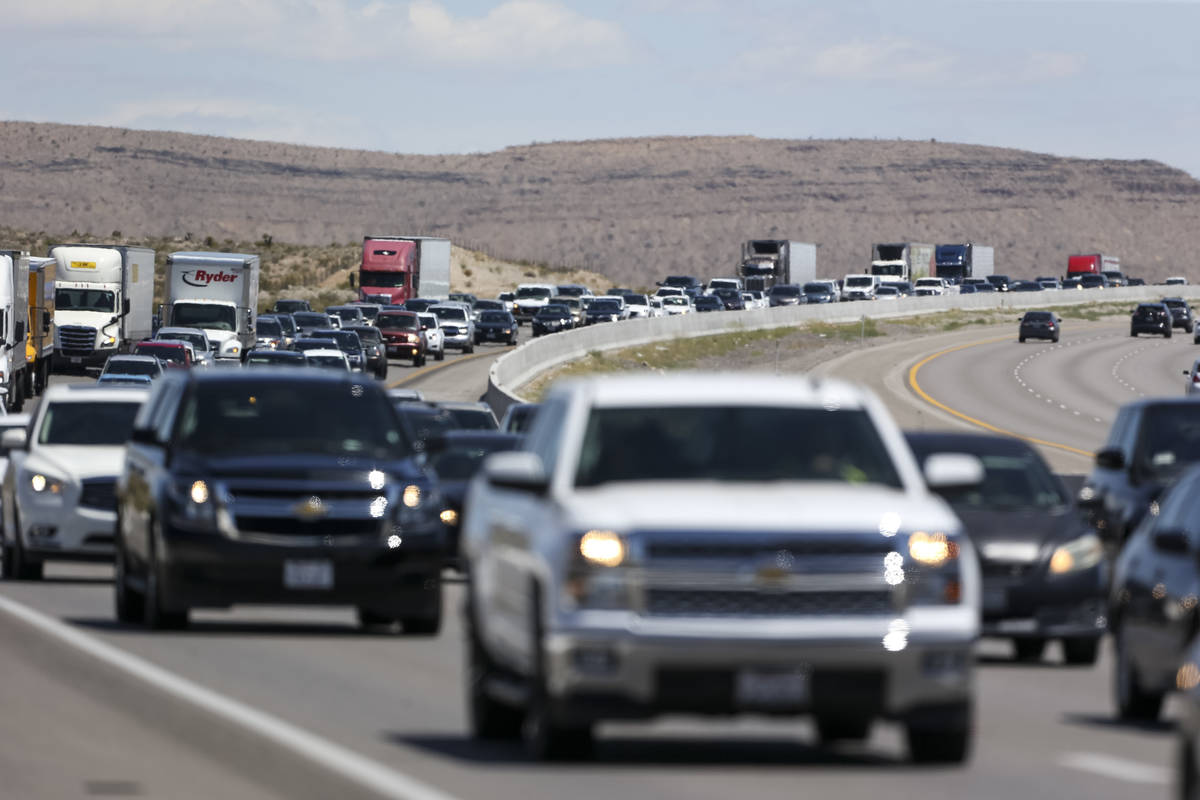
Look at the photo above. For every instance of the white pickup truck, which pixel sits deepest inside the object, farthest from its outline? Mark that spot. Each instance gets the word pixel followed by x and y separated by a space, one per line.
pixel 688 543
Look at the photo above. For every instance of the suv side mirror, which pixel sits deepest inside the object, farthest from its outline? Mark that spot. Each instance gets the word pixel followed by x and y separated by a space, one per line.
pixel 516 470
pixel 14 439
pixel 1174 542
pixel 1110 458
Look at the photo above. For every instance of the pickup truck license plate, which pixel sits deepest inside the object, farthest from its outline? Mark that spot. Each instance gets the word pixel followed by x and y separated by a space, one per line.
pixel 755 687
pixel 316 574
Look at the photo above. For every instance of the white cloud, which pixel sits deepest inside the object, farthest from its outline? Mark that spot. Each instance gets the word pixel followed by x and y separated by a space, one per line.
pixel 513 33
pixel 1053 66
pixel 886 59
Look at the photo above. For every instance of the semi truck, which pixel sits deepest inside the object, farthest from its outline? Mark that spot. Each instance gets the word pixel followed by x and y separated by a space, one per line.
pixel 217 293
pixel 39 342
pixel 767 262
pixel 14 308
pixel 103 301
pixel 1093 264
pixel 399 268
pixel 902 261
pixel 954 262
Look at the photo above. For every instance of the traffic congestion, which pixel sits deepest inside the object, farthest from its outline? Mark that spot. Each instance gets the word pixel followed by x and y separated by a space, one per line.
pixel 628 549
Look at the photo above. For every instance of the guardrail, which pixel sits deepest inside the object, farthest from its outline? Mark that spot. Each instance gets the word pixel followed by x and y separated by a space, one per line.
pixel 513 370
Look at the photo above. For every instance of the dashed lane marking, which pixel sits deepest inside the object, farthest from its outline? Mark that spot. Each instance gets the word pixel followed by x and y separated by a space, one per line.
pixel 1121 769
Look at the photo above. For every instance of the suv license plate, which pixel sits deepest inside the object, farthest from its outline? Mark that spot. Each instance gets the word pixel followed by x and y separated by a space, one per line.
pixel 308 574
pixel 771 688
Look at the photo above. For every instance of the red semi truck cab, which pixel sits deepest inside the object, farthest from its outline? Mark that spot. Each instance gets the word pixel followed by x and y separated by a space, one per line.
pixel 389 273
pixel 1091 264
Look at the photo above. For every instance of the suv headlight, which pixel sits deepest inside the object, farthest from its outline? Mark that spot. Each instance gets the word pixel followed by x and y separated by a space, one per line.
pixel 193 502
pixel 1078 554
pixel 46 488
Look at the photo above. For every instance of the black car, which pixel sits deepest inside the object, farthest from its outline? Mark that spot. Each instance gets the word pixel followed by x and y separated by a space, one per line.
pixel 968 288
pixel 260 357
pixel 455 457
pixel 280 487
pixel 1150 443
pixel 349 343
pixel 496 326
pixel 785 294
pixel 732 298
pixel 268 333
pixel 1001 283
pixel 421 420
pixel 552 318
pixel 1026 286
pixel 309 321
pixel 373 348
pixel 1093 281
pixel 419 304
pixel 603 309
pixel 1039 325
pixel 708 302
pixel 469 416
pixel 1045 573
pixel 518 417
pixel 1154 614
pixel 1181 313
pixel 1151 318
pixel 286 306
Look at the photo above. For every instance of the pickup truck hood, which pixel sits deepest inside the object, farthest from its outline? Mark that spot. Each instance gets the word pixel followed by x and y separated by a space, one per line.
pixel 77 461
pixel 794 507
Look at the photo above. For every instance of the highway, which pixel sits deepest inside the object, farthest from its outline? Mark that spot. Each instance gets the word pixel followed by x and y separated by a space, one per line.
pixel 352 714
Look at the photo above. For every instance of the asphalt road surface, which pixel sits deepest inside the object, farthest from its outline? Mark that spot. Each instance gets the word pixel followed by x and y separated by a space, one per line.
pixel 297 702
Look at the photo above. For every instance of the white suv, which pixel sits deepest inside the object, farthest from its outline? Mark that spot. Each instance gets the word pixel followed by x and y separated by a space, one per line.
pixel 59 494
pixel 687 543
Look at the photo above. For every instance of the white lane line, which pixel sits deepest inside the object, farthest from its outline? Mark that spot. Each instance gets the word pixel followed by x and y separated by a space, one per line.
pixel 351 766
pixel 1121 769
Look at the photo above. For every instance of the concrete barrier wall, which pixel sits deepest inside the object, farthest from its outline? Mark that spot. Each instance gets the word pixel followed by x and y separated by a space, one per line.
pixel 513 370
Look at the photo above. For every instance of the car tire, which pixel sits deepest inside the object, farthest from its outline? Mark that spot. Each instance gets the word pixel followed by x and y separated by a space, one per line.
pixel 831 729
pixel 1055 339
pixel 948 742
pixel 487 718
pixel 430 624
pixel 1021 339
pixel 1133 333
pixel 546 739
pixel 419 361
pixel 154 615
pixel 6 559
pixel 23 567
pixel 1029 649
pixel 1187 777
pixel 1133 703
pixel 469 349
pixel 368 619
pixel 441 354
pixel 1168 334
pixel 1081 651
pixel 128 604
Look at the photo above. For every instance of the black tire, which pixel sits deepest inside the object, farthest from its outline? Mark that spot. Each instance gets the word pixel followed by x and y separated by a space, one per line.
pixel 1168 334
pixel 419 361
pixel 546 739
pixel 441 354
pixel 1021 339
pixel 1133 703
pixel 428 625
pixel 1055 339
pixel 130 606
pixel 23 567
pixel 1080 651
pixel 1133 333
pixel 945 743
pixel 832 729
pixel 154 615
pixel 1187 778
pixel 373 619
pixel 487 718
pixel 6 559
pixel 1188 328
pixel 469 349
pixel 1029 649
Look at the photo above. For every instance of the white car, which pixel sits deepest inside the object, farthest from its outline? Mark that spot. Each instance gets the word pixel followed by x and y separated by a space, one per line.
pixel 677 304
pixel 59 494
pixel 327 357
pixel 656 307
pixel 435 342
pixel 532 298
pixel 643 549
pixel 670 291
pixel 638 305
pixel 458 329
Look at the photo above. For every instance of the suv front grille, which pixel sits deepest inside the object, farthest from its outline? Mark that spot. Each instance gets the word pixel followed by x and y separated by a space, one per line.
pixel 77 337
pixel 291 526
pixel 99 493
pixel 708 603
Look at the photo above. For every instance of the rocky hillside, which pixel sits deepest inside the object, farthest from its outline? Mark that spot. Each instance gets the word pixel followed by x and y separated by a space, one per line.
pixel 632 209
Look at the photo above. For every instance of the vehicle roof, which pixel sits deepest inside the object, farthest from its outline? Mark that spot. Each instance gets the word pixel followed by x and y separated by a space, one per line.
pixel 92 393
pixel 132 357
pixel 193 331
pixel 157 344
pixel 324 352
pixel 982 444
pixel 469 437
pixel 707 388
pixel 256 377
pixel 208 258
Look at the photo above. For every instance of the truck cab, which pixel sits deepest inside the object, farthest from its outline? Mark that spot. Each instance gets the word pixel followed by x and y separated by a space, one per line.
pixel 102 301
pixel 217 293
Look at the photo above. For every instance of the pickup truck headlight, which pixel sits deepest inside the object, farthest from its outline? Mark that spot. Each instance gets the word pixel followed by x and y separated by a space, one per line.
pixel 934 577
pixel 193 502
pixel 602 548
pixel 1077 554
pixel 596 579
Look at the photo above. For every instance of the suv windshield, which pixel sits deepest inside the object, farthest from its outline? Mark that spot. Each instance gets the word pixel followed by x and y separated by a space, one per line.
pixel 84 300
pixel 816 288
pixel 268 327
pixel 396 322
pixel 449 313
pixel 860 281
pixel 1170 439
pixel 285 416
pixel 702 443
pixel 130 366
pixel 605 306
pixel 533 291
pixel 494 317
pixel 91 423
pixel 785 291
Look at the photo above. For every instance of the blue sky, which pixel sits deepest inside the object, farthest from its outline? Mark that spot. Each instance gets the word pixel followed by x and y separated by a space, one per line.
pixel 1091 78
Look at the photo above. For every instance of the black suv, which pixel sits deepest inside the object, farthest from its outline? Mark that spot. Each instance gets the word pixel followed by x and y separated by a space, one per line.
pixel 1151 318
pixel 275 486
pixel 1149 444
pixel 553 318
pixel 373 348
pixel 1181 313
pixel 1039 325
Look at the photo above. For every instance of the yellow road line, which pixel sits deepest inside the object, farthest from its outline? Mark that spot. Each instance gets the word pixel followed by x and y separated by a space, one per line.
pixel 423 371
pixel 916 387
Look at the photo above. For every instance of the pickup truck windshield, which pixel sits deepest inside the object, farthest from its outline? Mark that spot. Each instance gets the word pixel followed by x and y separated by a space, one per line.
pixel 85 300
pixel 91 423
pixel 289 417
pixel 203 315
pixel 704 443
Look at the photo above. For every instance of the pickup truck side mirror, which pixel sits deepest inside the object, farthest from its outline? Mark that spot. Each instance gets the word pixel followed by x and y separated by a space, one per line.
pixel 516 470
pixel 1110 458
pixel 1174 542
pixel 14 439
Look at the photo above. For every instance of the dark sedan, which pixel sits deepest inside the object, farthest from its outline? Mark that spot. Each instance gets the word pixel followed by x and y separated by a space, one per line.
pixel 281 487
pixel 552 319
pixel 708 302
pixel 309 321
pixel 603 309
pixel 373 348
pixel 496 326
pixel 732 298
pixel 785 294
pixel 1039 325
pixel 1044 571
pixel 1151 318
pixel 349 343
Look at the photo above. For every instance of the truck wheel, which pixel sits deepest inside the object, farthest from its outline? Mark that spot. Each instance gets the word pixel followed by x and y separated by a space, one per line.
pixel 487 717
pixel 1081 651
pixel 154 615
pixel 430 624
pixel 943 739
pixel 546 738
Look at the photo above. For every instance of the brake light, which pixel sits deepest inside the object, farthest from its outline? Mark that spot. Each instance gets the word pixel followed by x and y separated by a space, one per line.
pixel 1196 377
pixel 1050 325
